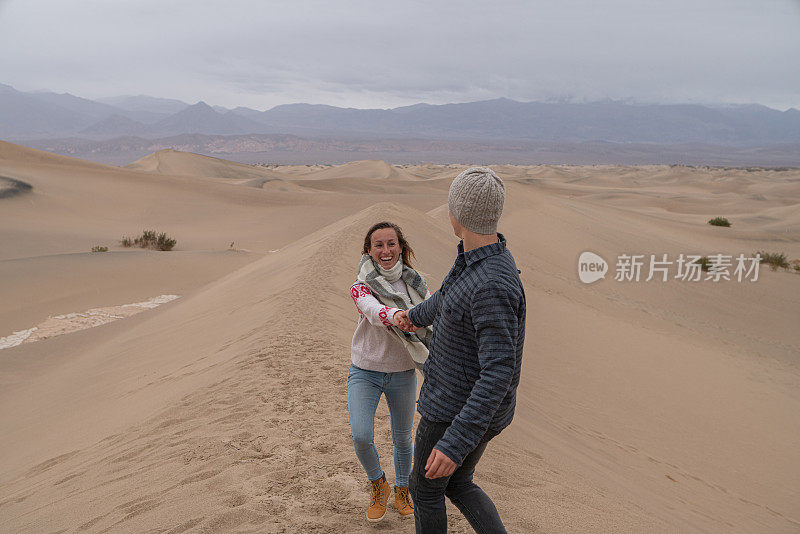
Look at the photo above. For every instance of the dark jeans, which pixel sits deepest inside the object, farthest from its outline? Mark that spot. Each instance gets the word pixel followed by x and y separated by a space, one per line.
pixel 428 494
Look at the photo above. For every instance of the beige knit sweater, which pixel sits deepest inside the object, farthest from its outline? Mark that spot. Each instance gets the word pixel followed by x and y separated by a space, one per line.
pixel 375 347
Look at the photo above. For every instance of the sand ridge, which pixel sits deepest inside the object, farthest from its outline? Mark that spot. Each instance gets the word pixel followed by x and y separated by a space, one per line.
pixel 643 407
pixel 174 162
pixel 271 447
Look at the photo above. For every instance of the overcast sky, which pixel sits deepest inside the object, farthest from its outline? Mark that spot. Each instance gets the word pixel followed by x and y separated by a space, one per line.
pixel 386 54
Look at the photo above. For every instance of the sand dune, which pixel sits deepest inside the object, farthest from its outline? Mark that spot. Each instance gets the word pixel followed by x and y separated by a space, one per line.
pixel 298 170
pixel 254 407
pixel 37 287
pixel 200 212
pixel 174 162
pixel 373 169
pixel 643 407
pixel 426 171
pixel 19 153
pixel 377 186
pixel 59 325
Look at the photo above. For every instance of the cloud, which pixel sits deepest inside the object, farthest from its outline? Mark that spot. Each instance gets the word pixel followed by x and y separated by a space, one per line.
pixel 363 53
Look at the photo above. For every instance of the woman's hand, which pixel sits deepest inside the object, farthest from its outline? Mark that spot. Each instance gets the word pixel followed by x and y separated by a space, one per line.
pixel 402 321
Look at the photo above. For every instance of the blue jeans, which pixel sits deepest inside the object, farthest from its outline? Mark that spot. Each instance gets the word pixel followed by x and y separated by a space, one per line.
pixel 430 513
pixel 364 389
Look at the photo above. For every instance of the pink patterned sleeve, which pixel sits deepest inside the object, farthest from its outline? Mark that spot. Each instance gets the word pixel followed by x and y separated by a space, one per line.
pixel 370 307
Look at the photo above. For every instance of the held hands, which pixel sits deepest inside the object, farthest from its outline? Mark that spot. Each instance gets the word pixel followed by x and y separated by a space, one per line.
pixel 439 465
pixel 402 321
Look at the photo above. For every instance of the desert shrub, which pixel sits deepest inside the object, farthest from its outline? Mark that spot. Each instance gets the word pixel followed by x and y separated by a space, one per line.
pixel 719 221
pixel 99 248
pixel 163 242
pixel 150 239
pixel 774 259
pixel 704 263
pixel 146 240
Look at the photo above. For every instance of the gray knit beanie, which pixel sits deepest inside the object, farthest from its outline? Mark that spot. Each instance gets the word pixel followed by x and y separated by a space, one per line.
pixel 476 199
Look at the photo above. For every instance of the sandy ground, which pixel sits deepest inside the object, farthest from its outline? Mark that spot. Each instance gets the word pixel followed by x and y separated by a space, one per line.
pixel 643 407
pixel 57 325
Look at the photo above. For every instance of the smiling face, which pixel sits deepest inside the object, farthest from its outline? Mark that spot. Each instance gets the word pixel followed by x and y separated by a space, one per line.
pixel 385 247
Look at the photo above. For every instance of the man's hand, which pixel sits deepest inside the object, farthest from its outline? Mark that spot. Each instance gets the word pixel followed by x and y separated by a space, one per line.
pixel 439 465
pixel 402 321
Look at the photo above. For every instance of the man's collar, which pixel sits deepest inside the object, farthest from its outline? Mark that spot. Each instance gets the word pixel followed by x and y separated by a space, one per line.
pixel 477 254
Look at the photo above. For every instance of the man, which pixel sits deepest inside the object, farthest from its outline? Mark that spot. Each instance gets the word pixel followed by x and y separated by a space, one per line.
pixel 473 370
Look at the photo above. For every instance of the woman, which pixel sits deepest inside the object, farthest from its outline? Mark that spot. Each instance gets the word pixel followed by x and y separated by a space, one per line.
pixel 384 359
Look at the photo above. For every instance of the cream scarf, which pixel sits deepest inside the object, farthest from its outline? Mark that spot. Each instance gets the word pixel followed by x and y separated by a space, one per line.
pixel 378 280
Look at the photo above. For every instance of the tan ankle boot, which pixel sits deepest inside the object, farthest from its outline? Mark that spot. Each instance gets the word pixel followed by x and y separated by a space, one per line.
pixel 378 499
pixel 402 501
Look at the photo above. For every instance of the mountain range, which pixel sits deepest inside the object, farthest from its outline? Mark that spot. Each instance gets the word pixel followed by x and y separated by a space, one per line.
pixel 48 115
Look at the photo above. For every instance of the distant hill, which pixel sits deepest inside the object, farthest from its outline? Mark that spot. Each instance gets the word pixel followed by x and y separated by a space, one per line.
pixel 160 107
pixel 49 115
pixel 202 118
pixel 510 120
pixel 24 114
pixel 114 126
pixel 86 109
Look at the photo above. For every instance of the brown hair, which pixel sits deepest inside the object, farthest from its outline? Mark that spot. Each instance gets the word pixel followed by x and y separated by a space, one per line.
pixel 407 252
